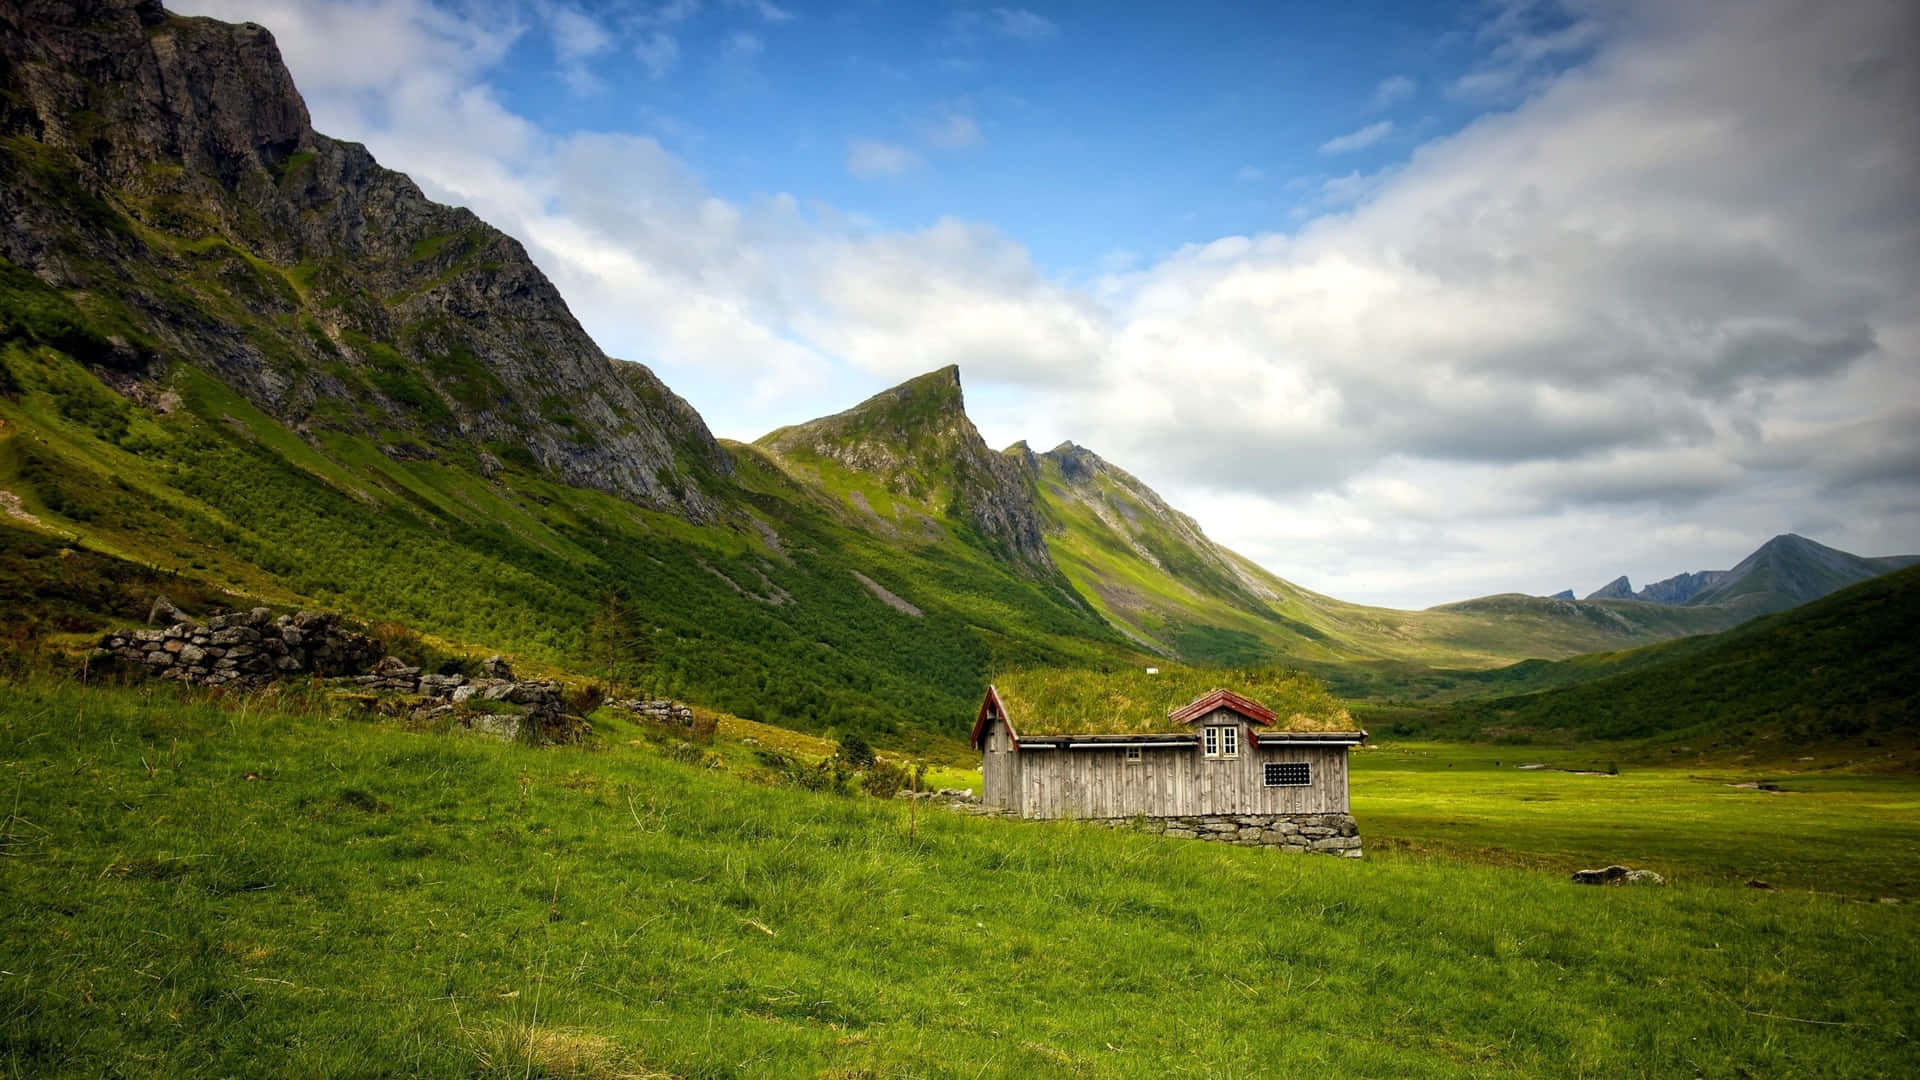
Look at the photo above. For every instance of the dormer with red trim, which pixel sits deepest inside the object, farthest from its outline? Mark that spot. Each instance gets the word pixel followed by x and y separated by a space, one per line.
pixel 991 709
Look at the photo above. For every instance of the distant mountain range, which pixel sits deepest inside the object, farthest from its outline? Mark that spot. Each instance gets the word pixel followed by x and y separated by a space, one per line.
pixel 1841 668
pixel 1786 571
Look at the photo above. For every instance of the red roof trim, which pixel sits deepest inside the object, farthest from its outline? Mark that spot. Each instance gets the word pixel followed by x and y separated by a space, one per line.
pixel 1215 699
pixel 980 719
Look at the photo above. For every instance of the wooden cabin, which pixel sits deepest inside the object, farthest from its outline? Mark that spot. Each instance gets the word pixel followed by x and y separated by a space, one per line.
pixel 1219 766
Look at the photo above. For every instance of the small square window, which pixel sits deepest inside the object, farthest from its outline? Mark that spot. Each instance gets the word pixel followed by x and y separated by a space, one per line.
pixel 1220 741
pixel 1133 755
pixel 1287 773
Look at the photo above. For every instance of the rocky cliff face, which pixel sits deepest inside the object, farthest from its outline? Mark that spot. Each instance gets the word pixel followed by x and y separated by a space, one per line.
pixel 162 171
pixel 916 439
pixel 1680 588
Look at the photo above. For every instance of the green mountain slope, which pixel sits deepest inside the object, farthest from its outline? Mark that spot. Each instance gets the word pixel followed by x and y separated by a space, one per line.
pixel 1789 570
pixel 1841 667
pixel 1151 571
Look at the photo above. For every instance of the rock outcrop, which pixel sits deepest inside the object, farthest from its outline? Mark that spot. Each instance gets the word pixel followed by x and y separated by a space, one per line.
pixel 165 167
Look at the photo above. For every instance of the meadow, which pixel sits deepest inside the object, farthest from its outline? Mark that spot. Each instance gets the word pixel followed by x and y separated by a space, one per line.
pixel 246 886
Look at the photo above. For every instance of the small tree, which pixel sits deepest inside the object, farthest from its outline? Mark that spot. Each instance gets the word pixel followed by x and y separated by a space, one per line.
pixel 615 638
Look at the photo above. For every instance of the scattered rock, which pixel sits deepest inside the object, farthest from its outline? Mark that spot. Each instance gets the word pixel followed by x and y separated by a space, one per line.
pixel 495 667
pixel 1617 875
pixel 165 613
pixel 659 711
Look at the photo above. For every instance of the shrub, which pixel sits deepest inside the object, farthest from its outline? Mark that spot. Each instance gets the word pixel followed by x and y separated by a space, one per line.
pixel 884 779
pixel 855 752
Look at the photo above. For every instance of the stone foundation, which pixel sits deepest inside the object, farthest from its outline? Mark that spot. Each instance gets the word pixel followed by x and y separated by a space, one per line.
pixel 1331 834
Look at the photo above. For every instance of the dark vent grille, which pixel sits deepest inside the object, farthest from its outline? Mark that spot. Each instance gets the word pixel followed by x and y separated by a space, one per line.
pixel 1288 774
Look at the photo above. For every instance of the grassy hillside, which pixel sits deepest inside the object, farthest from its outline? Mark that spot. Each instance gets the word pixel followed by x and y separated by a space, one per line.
pixel 1841 668
pixel 761 615
pixel 232 888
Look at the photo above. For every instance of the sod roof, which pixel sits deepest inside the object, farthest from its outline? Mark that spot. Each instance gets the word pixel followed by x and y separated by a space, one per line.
pixel 1054 701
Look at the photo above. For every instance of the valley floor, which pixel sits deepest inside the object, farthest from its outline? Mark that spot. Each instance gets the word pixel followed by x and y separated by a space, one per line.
pixel 228 888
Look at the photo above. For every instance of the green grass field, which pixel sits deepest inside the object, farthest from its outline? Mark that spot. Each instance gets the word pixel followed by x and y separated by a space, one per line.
pixel 1841 833
pixel 234 888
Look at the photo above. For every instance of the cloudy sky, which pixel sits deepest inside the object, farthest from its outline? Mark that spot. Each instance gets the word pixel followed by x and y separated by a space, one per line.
pixel 1409 302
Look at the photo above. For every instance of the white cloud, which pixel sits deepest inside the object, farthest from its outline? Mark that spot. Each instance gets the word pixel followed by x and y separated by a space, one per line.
pixel 899 304
pixel 1357 140
pixel 1393 90
pixel 1247 174
pixel 1527 40
pixel 743 45
pixel 764 9
pixel 1674 286
pixel 1018 24
pixel 874 159
pixel 576 36
pixel 951 126
pixel 657 51
pixel 1023 24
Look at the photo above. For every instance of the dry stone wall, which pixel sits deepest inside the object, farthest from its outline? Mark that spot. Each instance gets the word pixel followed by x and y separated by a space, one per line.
pixel 1331 834
pixel 245 648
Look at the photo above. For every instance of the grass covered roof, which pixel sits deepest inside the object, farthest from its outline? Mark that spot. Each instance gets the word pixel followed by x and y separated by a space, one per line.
pixel 1065 701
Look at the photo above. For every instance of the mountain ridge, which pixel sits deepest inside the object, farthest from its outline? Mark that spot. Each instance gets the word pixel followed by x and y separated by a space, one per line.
pixel 1786 571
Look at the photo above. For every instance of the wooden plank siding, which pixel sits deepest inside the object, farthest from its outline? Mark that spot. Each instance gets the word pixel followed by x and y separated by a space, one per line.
pixel 1166 782
pixel 999 767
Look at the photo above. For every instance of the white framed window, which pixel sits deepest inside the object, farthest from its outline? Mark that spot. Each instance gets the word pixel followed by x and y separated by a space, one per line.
pixel 1287 773
pixel 1220 741
pixel 1133 755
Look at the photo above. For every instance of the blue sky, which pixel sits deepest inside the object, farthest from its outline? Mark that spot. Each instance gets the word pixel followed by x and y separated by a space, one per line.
pixel 1088 131
pixel 1407 302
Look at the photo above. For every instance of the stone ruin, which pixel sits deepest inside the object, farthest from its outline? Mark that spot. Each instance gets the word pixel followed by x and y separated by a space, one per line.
pixel 244 648
pixel 250 649
pixel 660 712
pixel 542 712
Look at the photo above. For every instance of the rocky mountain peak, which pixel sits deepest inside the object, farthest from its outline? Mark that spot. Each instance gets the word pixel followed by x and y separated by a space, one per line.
pixel 166 168
pixel 1079 465
pixel 1617 589
pixel 917 439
